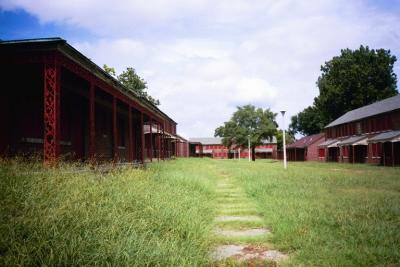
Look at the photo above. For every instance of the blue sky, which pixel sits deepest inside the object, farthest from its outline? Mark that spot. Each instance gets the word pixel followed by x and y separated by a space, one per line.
pixel 202 58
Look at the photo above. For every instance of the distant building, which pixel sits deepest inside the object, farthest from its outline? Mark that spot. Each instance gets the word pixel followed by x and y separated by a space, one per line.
pixel 181 148
pixel 305 149
pixel 212 147
pixel 367 134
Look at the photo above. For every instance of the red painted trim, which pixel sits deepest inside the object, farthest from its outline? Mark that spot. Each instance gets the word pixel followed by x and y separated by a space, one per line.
pixel 51 115
pixel 151 140
pixel 142 137
pixel 163 144
pixel 92 121
pixel 130 151
pixel 115 130
pixel 158 142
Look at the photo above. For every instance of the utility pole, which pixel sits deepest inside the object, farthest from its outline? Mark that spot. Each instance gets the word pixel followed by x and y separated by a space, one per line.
pixel 284 139
pixel 248 139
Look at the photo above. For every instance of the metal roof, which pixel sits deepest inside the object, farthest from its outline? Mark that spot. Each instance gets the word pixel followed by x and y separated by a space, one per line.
pixel 218 140
pixel 46 43
pixel 263 150
pixel 328 142
pixel 383 106
pixel 354 140
pixel 393 136
pixel 207 140
pixel 306 141
pixel 32 40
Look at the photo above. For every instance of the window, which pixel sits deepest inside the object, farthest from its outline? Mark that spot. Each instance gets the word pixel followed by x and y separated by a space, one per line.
pixel 321 152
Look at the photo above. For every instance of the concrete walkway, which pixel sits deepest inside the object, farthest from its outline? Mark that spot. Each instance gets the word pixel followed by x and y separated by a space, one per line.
pixel 240 230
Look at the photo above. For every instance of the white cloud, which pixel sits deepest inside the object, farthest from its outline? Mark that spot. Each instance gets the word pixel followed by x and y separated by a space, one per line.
pixel 202 58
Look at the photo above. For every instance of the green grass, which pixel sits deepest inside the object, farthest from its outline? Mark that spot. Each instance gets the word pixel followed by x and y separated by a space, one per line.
pixel 320 214
pixel 158 217
pixel 326 214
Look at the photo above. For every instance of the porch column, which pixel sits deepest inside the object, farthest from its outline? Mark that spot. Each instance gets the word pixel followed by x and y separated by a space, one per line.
pixel 326 154
pixel 142 138
pixel 130 151
pixel 51 115
pixel 115 131
pixel 151 140
pixel 163 143
pixel 158 142
pixel 353 154
pixel 369 153
pixel 384 154
pixel 295 155
pixel 92 122
pixel 392 154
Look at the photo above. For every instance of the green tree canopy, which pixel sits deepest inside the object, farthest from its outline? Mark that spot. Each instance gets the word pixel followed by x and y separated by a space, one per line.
pixel 289 138
pixel 109 70
pixel 306 122
pixel 133 82
pixel 247 121
pixel 354 79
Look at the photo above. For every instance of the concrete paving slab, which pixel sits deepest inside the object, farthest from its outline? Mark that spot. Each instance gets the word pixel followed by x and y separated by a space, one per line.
pixel 243 233
pixel 246 218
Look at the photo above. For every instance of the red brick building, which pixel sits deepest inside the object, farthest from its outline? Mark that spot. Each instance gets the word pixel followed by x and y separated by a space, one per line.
pixel 367 134
pixel 181 147
pixel 305 149
pixel 212 147
pixel 56 103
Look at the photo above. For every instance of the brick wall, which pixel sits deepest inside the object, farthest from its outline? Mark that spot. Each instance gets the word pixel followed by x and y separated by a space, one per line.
pixel 312 150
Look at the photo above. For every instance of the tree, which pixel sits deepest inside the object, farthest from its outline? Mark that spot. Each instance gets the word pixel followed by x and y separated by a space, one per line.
pixel 354 79
pixel 109 70
pixel 306 122
pixel 247 121
pixel 133 82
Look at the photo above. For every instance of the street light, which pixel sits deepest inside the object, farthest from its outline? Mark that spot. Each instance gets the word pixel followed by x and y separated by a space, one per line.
pixel 248 139
pixel 284 139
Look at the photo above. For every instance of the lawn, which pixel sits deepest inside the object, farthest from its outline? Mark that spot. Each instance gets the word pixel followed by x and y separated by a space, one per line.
pixel 326 214
pixel 156 217
pixel 320 214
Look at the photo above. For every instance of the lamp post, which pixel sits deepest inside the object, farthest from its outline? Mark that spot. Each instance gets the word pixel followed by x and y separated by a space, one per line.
pixel 248 139
pixel 284 139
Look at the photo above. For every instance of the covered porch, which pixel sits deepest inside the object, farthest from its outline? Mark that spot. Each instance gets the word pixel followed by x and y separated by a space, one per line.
pixel 390 147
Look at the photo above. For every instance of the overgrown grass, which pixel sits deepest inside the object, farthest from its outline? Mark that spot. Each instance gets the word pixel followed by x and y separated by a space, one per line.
pixel 319 214
pixel 326 214
pixel 161 216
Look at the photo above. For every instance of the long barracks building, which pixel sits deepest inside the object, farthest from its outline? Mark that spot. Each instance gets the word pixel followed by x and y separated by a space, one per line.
pixel 367 134
pixel 57 103
pixel 212 147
